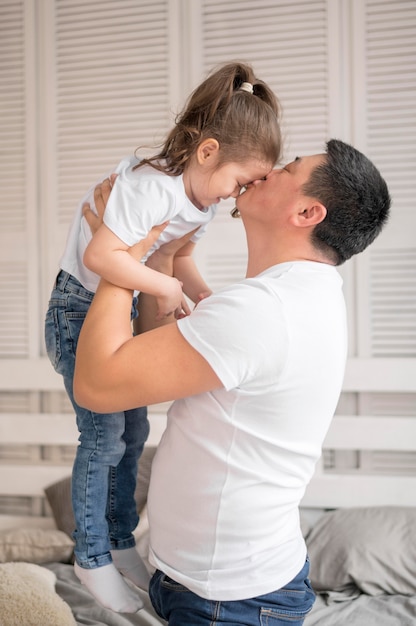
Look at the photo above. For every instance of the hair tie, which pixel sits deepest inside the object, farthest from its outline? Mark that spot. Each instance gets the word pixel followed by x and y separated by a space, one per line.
pixel 247 87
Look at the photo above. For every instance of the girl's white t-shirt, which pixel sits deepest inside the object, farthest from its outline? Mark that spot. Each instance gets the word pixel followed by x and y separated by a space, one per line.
pixel 233 464
pixel 139 199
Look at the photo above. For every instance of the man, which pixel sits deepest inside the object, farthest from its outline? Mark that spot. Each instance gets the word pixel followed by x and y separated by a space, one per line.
pixel 256 371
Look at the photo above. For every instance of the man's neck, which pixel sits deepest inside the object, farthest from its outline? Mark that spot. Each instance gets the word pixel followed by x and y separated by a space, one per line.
pixel 261 257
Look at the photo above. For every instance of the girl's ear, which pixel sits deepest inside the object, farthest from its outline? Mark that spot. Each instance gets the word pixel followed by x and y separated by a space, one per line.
pixel 310 215
pixel 206 150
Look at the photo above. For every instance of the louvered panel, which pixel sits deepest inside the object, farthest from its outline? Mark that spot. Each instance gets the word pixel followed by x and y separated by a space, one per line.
pixel 12 117
pixel 16 505
pixel 112 86
pixel 106 86
pixel 20 453
pixel 64 405
pixel 56 402
pixel 225 269
pixel 400 404
pixel 15 402
pixel 221 254
pixel 389 462
pixel 13 310
pixel 374 445
pixel 391 99
pixel 386 304
pixel 393 303
pixel 286 43
pixel 13 140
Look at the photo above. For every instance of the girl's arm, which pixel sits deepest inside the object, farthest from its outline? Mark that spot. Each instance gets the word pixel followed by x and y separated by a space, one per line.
pixel 161 260
pixel 186 271
pixel 108 256
pixel 116 372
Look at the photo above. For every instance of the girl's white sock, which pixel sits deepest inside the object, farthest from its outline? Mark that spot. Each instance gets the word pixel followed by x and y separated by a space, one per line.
pixel 129 563
pixel 108 587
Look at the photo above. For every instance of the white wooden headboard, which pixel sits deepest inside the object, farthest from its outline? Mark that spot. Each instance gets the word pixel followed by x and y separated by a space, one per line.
pixel 328 489
pixel 341 489
pixel 386 433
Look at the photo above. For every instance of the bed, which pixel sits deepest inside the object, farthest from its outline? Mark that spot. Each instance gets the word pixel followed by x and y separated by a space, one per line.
pixel 360 528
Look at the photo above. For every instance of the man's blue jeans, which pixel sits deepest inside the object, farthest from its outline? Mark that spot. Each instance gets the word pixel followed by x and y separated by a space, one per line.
pixel 181 607
pixel 105 468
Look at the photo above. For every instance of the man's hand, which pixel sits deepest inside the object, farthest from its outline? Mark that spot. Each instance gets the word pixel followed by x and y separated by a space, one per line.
pixel 101 194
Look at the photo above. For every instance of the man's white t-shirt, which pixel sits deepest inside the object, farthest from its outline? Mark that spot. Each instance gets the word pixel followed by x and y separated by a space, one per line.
pixel 140 199
pixel 233 464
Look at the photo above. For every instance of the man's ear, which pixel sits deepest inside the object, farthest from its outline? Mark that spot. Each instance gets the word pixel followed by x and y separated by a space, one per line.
pixel 310 214
pixel 206 150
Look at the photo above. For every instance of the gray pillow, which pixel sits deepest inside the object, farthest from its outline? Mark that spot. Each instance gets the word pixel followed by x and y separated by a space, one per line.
pixel 59 497
pixel 143 477
pixel 373 548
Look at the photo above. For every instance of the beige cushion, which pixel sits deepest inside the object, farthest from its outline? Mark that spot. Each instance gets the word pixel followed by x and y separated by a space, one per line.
pixel 28 597
pixel 35 545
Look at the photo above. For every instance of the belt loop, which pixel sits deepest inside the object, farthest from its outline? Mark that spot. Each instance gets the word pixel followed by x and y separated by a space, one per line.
pixel 61 280
pixel 55 284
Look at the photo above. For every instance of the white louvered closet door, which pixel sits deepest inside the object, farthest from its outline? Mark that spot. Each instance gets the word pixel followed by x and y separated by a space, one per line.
pixel 84 83
pixel 19 251
pixel 384 73
pixel 108 86
pixel 288 47
pixel 384 127
pixel 346 69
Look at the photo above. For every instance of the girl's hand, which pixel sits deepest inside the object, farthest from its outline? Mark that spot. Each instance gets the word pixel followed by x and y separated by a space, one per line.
pixel 172 303
pixel 202 296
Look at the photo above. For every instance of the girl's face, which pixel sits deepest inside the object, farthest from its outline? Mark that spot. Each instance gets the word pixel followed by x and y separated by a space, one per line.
pixel 207 183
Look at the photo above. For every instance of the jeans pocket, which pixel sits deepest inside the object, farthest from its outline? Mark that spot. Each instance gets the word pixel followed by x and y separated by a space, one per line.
pixel 62 329
pixel 52 337
pixel 73 324
pixel 291 608
pixel 172 585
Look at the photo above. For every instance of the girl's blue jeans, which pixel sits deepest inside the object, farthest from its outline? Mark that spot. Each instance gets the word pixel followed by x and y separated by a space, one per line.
pixel 181 607
pixel 105 469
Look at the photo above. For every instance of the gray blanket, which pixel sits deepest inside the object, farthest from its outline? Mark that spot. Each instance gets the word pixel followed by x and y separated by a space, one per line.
pixel 347 608
pixel 362 610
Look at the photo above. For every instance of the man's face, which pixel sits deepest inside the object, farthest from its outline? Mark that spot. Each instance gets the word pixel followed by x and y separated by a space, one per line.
pixel 281 191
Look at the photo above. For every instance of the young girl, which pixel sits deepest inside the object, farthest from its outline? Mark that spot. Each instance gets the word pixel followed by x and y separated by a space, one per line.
pixel 227 136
